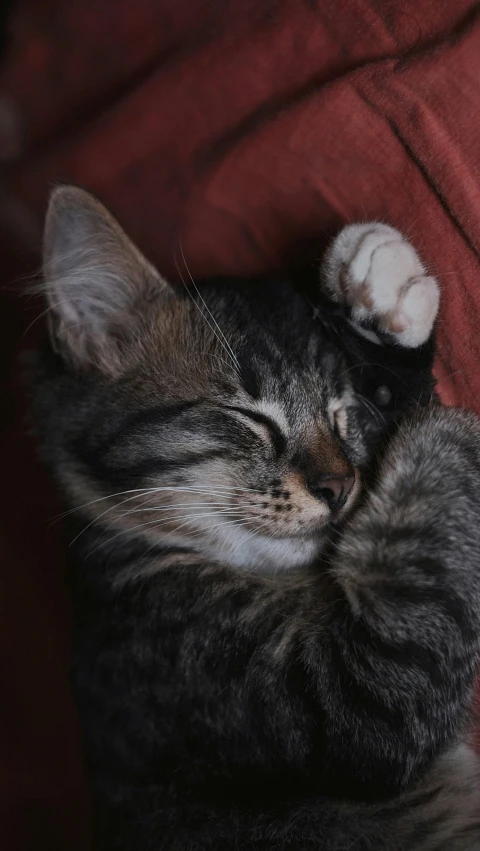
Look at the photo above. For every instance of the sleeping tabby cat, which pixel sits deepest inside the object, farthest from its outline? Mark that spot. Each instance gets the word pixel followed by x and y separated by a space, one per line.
pixel 277 548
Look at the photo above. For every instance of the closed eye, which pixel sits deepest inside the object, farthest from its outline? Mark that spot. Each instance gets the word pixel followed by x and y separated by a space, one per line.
pixel 274 433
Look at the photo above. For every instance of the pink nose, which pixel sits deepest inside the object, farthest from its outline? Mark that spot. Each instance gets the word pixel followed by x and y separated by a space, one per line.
pixel 333 489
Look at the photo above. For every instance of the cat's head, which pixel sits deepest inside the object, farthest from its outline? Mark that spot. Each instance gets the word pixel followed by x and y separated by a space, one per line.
pixel 218 417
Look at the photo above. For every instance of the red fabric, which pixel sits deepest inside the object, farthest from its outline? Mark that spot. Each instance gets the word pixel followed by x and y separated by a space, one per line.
pixel 240 128
pixel 243 126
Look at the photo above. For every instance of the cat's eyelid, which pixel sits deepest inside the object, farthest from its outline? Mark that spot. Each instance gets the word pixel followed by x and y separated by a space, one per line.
pixel 273 429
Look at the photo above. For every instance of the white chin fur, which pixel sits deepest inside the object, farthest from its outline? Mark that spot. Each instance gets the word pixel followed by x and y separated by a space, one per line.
pixel 248 550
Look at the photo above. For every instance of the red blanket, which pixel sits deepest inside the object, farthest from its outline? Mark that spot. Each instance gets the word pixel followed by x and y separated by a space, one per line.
pixel 244 127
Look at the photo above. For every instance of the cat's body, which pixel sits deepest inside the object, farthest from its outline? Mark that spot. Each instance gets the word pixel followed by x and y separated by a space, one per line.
pixel 253 668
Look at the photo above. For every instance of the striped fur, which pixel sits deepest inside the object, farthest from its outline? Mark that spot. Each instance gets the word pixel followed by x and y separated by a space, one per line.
pixel 257 665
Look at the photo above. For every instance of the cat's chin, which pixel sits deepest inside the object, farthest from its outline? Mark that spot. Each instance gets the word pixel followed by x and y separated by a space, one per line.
pixel 252 551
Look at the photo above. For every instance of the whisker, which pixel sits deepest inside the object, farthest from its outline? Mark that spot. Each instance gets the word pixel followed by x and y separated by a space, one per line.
pixel 372 409
pixel 49 309
pixel 354 366
pixel 206 490
pixel 174 505
pixel 228 521
pixel 215 327
pixel 248 532
pixel 223 508
pixel 149 523
pixel 112 507
pixel 370 364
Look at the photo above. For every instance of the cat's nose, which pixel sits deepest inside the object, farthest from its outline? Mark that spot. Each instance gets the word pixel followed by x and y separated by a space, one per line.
pixel 333 489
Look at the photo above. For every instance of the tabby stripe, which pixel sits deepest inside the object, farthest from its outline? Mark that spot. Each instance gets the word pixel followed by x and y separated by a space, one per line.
pixel 147 417
pixel 406 654
pixel 450 605
pixel 155 465
pixel 420 801
pixel 356 694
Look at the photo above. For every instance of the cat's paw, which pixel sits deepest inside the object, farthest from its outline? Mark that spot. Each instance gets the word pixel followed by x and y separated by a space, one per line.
pixel 375 271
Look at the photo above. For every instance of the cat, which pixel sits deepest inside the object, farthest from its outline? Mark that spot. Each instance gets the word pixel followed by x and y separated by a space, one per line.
pixel 276 539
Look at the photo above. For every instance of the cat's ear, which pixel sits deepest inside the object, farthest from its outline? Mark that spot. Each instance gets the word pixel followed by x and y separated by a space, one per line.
pixel 98 284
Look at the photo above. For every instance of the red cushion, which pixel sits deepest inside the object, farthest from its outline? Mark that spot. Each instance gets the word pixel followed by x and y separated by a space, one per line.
pixel 240 127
